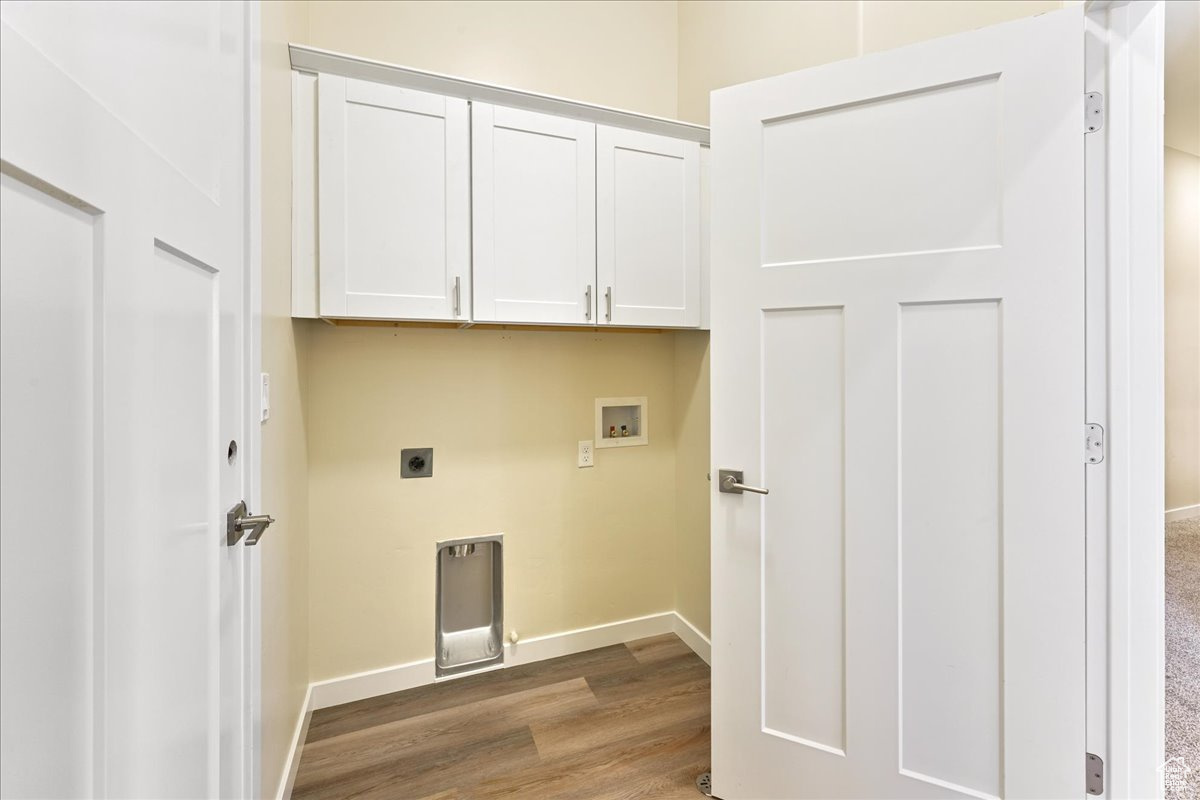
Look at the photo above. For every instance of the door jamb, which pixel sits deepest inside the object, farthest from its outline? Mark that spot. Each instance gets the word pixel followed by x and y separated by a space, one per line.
pixel 1128 347
pixel 252 400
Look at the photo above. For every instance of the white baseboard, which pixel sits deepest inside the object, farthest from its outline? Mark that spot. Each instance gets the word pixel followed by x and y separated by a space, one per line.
pixel 693 638
pixel 577 641
pixel 361 685
pixel 1183 512
pixel 349 688
pixel 288 779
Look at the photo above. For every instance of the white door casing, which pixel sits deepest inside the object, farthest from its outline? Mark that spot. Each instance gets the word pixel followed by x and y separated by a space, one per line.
pixel 533 194
pixel 394 185
pixel 124 356
pixel 647 229
pixel 897 354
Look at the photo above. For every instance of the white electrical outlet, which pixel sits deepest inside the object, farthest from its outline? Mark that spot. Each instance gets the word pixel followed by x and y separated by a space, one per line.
pixel 586 454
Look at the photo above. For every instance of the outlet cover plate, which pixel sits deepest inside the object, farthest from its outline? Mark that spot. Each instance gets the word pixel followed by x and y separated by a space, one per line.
pixel 587 454
pixel 416 462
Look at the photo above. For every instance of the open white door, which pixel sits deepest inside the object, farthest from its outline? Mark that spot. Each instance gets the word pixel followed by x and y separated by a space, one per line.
pixel 897 355
pixel 123 200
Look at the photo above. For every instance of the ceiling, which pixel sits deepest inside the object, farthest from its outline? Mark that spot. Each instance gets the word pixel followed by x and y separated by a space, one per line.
pixel 1182 119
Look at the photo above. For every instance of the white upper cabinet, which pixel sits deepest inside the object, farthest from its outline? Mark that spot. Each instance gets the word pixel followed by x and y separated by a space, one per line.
pixel 647 229
pixel 393 199
pixel 534 216
pixel 417 196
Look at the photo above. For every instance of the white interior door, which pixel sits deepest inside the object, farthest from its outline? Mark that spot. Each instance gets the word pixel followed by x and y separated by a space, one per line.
pixel 394 185
pixel 533 179
pixel 897 355
pixel 124 221
pixel 647 228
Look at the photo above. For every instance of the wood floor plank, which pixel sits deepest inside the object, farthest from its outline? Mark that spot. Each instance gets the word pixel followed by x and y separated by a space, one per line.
pixel 647 679
pixel 436 772
pixel 619 723
pixel 658 648
pixel 327 722
pixel 405 748
pixel 638 767
pixel 638 717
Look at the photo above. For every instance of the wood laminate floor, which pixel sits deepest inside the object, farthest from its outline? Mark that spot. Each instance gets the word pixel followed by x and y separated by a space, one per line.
pixel 628 721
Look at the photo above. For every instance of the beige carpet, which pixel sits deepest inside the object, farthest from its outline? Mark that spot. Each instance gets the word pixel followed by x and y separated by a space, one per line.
pixel 1183 651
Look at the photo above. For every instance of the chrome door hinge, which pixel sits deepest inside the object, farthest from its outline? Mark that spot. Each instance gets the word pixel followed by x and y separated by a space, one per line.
pixel 1093 443
pixel 1093 112
pixel 1095 774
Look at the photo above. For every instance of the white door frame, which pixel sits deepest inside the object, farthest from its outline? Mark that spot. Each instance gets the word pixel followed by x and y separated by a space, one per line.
pixel 1125 391
pixel 252 589
pixel 252 606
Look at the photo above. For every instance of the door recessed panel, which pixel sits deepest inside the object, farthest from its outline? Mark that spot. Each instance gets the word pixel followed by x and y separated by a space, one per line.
pixel 536 216
pixel 162 658
pixel 910 173
pixel 48 521
pixel 395 202
pixel 950 545
pixel 648 248
pixel 803 527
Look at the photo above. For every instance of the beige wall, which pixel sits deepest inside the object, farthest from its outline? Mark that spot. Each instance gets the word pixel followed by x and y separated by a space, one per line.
pixel 620 54
pixel 284 551
pixel 692 486
pixel 584 546
pixel 655 57
pixel 1182 290
pixel 725 42
pixel 504 411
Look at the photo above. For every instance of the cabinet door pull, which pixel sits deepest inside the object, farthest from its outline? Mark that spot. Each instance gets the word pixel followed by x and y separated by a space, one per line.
pixel 457 296
pixel 587 301
pixel 608 304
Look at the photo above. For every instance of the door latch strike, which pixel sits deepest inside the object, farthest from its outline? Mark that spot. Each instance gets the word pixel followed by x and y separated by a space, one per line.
pixel 1093 112
pixel 1093 443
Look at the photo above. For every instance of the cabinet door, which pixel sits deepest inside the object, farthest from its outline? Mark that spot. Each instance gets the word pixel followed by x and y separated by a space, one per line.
pixel 534 201
pixel 647 229
pixel 394 214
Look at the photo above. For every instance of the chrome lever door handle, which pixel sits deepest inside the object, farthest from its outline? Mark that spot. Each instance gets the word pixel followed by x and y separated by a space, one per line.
pixel 237 522
pixel 257 524
pixel 729 481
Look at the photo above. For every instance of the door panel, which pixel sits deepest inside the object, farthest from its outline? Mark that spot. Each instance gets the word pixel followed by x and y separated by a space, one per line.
pixel 647 228
pixel 950 541
pixel 142 241
pixel 897 354
pixel 48 278
pixel 804 576
pixel 941 193
pixel 534 201
pixel 393 186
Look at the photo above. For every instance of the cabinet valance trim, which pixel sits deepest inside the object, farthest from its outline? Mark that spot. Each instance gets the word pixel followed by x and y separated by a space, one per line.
pixel 311 59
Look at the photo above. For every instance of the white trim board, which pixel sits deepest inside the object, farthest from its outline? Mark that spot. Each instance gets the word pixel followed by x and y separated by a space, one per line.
pixel 373 683
pixel 1132 35
pixel 1183 512
pixel 287 781
pixel 313 59
pixel 701 645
